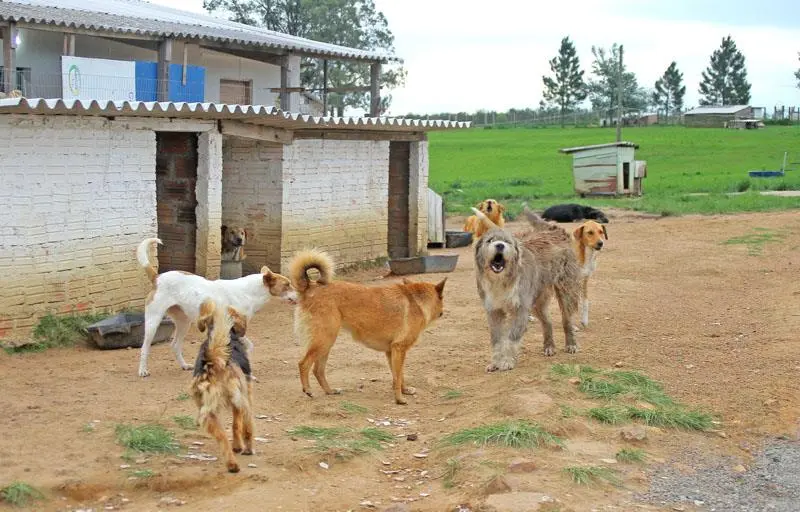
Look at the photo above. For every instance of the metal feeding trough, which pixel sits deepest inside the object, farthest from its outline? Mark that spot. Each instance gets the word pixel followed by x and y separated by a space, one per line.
pixel 771 174
pixel 126 330
pixel 431 264
pixel 455 239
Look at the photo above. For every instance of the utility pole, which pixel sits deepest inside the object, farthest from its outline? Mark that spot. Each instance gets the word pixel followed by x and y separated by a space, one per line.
pixel 619 97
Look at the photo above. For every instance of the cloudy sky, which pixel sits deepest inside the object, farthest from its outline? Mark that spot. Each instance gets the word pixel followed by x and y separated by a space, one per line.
pixel 464 55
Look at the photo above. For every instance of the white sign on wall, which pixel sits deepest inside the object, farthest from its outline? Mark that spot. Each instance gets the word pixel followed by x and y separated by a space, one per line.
pixel 97 79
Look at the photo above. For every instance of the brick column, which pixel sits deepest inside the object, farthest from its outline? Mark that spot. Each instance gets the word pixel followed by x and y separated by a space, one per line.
pixel 209 204
pixel 418 198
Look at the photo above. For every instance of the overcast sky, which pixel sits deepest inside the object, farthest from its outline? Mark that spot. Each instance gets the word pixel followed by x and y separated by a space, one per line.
pixel 464 55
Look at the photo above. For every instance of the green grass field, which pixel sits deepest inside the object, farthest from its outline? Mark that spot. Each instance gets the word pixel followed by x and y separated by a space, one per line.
pixel 524 164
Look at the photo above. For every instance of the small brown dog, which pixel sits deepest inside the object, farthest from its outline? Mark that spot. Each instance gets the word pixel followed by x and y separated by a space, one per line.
pixel 233 242
pixel 587 240
pixel 493 210
pixel 222 380
pixel 387 318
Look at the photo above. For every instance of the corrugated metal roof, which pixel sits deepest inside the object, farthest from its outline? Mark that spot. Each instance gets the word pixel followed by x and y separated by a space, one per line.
pixel 725 109
pixel 622 144
pixel 136 17
pixel 253 114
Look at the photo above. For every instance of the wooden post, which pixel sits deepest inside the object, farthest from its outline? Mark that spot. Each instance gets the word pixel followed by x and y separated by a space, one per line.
pixel 375 89
pixel 325 87
pixel 162 76
pixel 10 57
pixel 284 83
pixel 619 96
pixel 69 45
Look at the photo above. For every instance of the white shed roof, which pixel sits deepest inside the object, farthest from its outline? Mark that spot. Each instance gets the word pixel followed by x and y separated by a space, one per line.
pixel 715 109
pixel 622 144
pixel 139 18
pixel 253 114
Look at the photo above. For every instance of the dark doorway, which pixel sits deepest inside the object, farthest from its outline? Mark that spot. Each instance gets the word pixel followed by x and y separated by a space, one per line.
pixel 398 200
pixel 176 178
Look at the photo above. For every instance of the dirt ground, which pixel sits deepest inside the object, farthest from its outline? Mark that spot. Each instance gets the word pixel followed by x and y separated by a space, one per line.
pixel 717 323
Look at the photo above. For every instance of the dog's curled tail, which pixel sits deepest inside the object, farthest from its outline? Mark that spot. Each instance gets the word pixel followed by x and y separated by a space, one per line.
pixel 535 220
pixel 143 255
pixel 304 261
pixel 218 350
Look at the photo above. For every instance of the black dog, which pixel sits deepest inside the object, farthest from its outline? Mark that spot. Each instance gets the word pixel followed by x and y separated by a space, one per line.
pixel 573 212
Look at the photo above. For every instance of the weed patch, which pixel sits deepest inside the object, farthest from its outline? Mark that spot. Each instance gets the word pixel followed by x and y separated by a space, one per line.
pixel 185 422
pixel 585 475
pixel 755 242
pixel 147 438
pixel 452 394
pixel 630 455
pixel 59 331
pixel 342 443
pixel 20 494
pixel 514 434
pixel 353 408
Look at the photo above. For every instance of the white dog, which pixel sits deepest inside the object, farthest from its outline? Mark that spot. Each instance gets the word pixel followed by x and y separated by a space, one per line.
pixel 180 294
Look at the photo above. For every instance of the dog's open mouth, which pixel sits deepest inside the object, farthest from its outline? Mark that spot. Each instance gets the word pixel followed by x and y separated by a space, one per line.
pixel 498 263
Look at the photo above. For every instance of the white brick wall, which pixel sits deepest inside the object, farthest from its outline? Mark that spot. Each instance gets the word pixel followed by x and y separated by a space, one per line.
pixel 209 204
pixel 252 191
pixel 418 198
pixel 335 197
pixel 76 196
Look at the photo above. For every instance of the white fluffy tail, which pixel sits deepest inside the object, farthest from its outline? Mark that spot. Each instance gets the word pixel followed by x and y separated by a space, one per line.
pixel 143 255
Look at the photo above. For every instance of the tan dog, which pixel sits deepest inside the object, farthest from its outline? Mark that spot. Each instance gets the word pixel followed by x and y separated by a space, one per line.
pixel 386 318
pixel 493 211
pixel 221 380
pixel 233 242
pixel 587 240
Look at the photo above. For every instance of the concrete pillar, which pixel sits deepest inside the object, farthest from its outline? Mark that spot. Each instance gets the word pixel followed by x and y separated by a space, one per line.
pixel 418 198
pixel 209 204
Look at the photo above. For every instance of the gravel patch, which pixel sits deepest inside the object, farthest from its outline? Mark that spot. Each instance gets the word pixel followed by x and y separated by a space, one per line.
pixel 772 482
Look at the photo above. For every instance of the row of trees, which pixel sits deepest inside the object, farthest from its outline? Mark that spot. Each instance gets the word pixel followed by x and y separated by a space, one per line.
pixel 724 81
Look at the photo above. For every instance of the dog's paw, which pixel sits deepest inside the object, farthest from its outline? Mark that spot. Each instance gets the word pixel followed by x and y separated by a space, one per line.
pixel 409 390
pixel 237 449
pixel 549 351
pixel 247 451
pixel 500 366
pixel 401 401
pixel 335 391
pixel 144 372
pixel 186 366
pixel 576 328
pixel 308 393
pixel 571 349
pixel 233 467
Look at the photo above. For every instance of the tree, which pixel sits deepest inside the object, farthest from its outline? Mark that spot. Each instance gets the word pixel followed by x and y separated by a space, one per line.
pixel 669 90
pixel 352 23
pixel 725 79
pixel 566 87
pixel 603 88
pixel 797 73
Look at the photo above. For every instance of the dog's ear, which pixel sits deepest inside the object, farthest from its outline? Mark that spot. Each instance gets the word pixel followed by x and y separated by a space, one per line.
pixel 440 287
pixel 605 233
pixel 239 321
pixel 206 317
pixel 501 208
pixel 578 233
pixel 224 230
pixel 480 205
pixel 268 276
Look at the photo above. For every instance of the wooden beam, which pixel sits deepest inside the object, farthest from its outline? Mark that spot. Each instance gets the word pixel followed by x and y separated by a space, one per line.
pixel 9 57
pixel 138 43
pixel 284 84
pixel 325 87
pixel 360 135
pixel 257 132
pixel 113 34
pixel 375 89
pixel 162 76
pixel 259 56
pixel 321 89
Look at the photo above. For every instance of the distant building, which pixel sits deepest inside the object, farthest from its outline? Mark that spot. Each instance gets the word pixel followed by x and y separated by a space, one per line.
pixel 716 116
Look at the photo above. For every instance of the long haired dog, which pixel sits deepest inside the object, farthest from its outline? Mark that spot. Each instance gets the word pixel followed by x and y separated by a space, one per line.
pixel 493 210
pixel 587 241
pixel 180 294
pixel 388 318
pixel 222 380
pixel 517 273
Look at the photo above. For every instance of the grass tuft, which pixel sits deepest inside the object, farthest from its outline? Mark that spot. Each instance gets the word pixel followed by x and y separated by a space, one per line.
pixel 308 432
pixel 59 331
pixel 342 443
pixel 451 468
pixel 452 394
pixel 629 455
pixel 601 388
pixel 755 242
pixel 182 397
pixel 185 422
pixel 585 475
pixel 673 417
pixel 143 474
pixel 376 434
pixel 353 408
pixel 513 434
pixel 611 414
pixel 20 494
pixel 147 438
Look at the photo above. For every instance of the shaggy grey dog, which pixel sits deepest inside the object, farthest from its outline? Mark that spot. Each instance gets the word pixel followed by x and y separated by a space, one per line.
pixel 518 273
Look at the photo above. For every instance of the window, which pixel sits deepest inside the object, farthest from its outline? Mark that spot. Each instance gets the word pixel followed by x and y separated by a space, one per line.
pixel 236 92
pixel 23 81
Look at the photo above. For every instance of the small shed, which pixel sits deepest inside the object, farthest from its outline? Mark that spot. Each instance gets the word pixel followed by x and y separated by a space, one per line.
pixel 716 116
pixel 607 169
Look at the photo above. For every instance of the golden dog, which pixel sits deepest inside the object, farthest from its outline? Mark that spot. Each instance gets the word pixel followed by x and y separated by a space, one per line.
pixel 587 240
pixel 233 242
pixel 493 211
pixel 222 380
pixel 386 318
